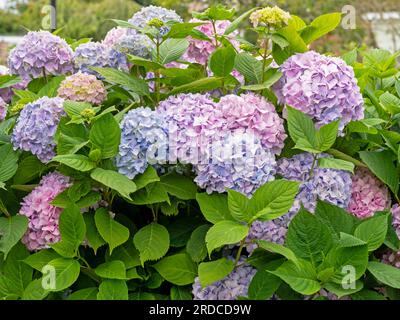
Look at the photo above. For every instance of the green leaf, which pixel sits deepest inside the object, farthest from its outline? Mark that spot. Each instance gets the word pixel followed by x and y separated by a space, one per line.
pixel 178 269
pixel 373 231
pixel 263 285
pixel 112 289
pixel 152 241
pixel 66 272
pixel 301 126
pixel 340 291
pixel 149 176
pixel 235 23
pixel 210 272
pixel 76 161
pixel 214 207
pixel 249 67
pixel 204 84
pixel 9 162
pixel 148 64
pixel 93 236
pixel 84 294
pixel 382 166
pixel 69 145
pixel 182 29
pixel 326 136
pixel 386 274
pixel 273 199
pixel 110 230
pixel 225 232
pixel 302 279
pixel 152 193
pixel 279 249
pixel 222 60
pixel 112 270
pixel 266 84
pixel 50 88
pixel 73 229
pixel 238 206
pixel 127 253
pixel 74 108
pixel 133 84
pixel 338 164
pixel 179 186
pixel 321 26
pixel 347 240
pixel 34 291
pixel 390 102
pixel 196 246
pixel 9 80
pixel 11 231
pixel 171 50
pixel 115 181
pixel 106 135
pixel 180 293
pixel 308 238
pixel 41 258
pixel 367 295
pixel 28 169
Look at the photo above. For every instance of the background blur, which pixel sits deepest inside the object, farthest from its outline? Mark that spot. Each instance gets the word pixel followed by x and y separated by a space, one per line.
pixel 377 21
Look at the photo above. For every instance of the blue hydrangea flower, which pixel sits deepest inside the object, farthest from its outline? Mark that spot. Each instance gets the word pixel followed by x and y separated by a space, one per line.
pixel 144 141
pixel 135 44
pixel 237 161
pixel 142 17
pixel 36 127
pixel 95 54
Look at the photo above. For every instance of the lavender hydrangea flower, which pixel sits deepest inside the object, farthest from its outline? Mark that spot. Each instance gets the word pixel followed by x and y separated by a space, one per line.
pixel 135 44
pixel 251 111
pixel 237 161
pixel 144 141
pixel 43 217
pixel 3 109
pixel 193 119
pixel 82 87
pixel 146 14
pixel 329 185
pixel 368 194
pixel 7 93
pixel 324 88
pixel 112 37
pixel 234 285
pixel 95 54
pixel 36 127
pixel 41 53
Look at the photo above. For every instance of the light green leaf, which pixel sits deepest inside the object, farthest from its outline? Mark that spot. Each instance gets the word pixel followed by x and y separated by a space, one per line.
pixel 263 285
pixel 203 84
pixel 249 67
pixel 84 294
pixel 279 249
pixel 326 136
pixel 9 162
pixel 106 135
pixel 214 207
pixel 210 272
pixel 115 181
pixel 179 186
pixel 112 289
pixel 178 269
pixel 171 50
pixel 75 161
pixel 180 293
pixel 321 26
pixel 338 164
pixel 384 273
pixel 112 270
pixel 66 273
pixel 93 236
pixel 373 231
pixel 238 206
pixel 340 291
pixel 196 246
pixel 35 291
pixel 149 176
pixel 11 231
pixel 301 126
pixel 41 258
pixel 222 60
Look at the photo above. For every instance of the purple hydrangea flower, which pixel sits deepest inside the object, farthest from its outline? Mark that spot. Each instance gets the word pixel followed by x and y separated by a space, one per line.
pixel 36 127
pixel 41 53
pixel 324 88
pixel 95 54
pixel 3 109
pixel 43 217
pixel 146 14
pixel 396 218
pixel 251 111
pixel 193 119
pixel 234 285
pixel 135 44
pixel 113 36
pixel 329 185
pixel 144 141
pixel 7 93
pixel 236 161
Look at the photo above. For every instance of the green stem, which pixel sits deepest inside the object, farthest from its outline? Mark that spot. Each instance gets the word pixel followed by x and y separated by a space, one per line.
pixel 215 34
pixel 157 74
pixel 265 55
pixel 313 165
pixel 239 251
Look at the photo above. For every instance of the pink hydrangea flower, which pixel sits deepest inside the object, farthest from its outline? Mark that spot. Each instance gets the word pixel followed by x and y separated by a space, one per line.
pixel 43 217
pixel 392 258
pixel 253 112
pixel 114 35
pixel 368 194
pixel 82 87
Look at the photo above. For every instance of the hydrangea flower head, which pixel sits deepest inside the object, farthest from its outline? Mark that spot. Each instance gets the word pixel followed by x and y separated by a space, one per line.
pixel 234 285
pixel 236 161
pixel 251 111
pixel 36 127
pixel 391 258
pixel 329 185
pixel 146 14
pixel 193 119
pixel 368 194
pixel 273 17
pixel 396 218
pixel 96 54
pixel 135 44
pixel 322 87
pixel 41 53
pixel 82 87
pixel 43 217
pixel 144 141
pixel 112 37
pixel 7 93
pixel 3 109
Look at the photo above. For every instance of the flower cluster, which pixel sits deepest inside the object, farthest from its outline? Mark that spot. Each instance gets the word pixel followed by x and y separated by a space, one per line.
pixel 236 161
pixel 234 285
pixel 324 88
pixel 3 109
pixel 96 54
pixel 200 50
pixel 144 141
pixel 145 15
pixel 43 217
pixel 391 258
pixel 368 194
pixel 396 218
pixel 273 17
pixel 112 37
pixel 253 112
pixel 36 127
pixel 329 185
pixel 7 93
pixel 82 87
pixel 41 53
pixel 135 44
